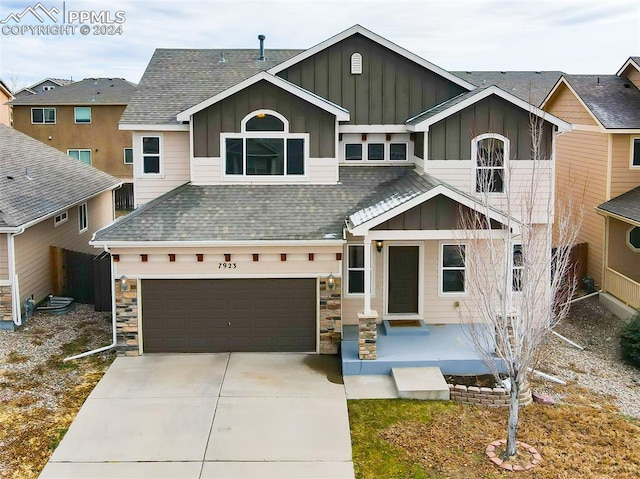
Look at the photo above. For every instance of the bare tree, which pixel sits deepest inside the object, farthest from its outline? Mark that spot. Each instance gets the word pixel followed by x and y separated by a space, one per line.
pixel 518 284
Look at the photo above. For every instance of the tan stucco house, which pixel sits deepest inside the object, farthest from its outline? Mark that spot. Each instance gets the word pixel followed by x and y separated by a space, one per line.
pixel 599 160
pixel 81 120
pixel 287 196
pixel 5 109
pixel 46 199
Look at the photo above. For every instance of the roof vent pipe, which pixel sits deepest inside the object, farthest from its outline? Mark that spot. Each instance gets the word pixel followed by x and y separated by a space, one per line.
pixel 261 38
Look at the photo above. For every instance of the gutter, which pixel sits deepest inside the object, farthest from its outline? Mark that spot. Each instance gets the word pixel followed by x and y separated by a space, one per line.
pixel 13 277
pixel 114 337
pixel 212 244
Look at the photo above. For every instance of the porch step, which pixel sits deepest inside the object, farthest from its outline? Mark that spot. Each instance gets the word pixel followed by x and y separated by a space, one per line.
pixel 396 327
pixel 420 383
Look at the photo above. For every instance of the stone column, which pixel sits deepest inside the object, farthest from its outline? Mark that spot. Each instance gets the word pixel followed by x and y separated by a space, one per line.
pixel 6 307
pixel 367 335
pixel 127 319
pixel 330 316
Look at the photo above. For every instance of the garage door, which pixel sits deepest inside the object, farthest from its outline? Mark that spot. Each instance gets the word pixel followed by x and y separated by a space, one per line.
pixel 224 315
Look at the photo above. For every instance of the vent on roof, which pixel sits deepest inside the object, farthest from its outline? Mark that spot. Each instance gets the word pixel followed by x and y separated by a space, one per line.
pixel 626 85
pixel 222 60
pixel 598 81
pixel 261 38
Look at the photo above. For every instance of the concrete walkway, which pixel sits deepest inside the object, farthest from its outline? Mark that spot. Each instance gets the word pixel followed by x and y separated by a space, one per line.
pixel 205 416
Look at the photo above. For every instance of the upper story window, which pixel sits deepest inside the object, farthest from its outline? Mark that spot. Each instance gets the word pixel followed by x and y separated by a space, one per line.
pixel 43 115
pixel 634 238
pixel 82 114
pixel 490 152
pixel 128 156
pixel 635 153
pixel 83 218
pixel 265 147
pixel 60 218
pixel 356 64
pixel 151 154
pixel 374 148
pixel 84 155
pixel 48 87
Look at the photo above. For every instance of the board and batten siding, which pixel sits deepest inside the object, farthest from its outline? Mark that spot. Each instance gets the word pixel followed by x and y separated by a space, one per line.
pixel 226 116
pixel 4 257
pixel 622 258
pixel 175 165
pixel 390 90
pixel 623 176
pixel 32 248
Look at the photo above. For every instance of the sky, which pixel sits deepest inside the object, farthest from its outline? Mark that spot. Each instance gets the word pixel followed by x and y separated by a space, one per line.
pixel 582 36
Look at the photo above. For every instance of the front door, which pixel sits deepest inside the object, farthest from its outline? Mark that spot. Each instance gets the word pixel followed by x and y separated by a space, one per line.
pixel 404 268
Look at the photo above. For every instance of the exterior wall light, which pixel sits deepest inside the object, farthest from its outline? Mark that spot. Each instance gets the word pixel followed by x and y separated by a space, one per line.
pixel 124 286
pixel 331 281
pixel 379 245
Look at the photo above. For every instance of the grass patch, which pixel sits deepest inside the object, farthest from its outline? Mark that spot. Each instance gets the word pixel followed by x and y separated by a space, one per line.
pixel 402 439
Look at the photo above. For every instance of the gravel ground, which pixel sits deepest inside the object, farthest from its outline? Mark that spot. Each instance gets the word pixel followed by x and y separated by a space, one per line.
pixel 599 368
pixel 30 358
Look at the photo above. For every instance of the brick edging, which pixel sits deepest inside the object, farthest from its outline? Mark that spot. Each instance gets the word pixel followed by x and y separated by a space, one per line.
pixel 490 397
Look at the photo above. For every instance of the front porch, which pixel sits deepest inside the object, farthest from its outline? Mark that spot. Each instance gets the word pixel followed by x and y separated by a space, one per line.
pixel 446 346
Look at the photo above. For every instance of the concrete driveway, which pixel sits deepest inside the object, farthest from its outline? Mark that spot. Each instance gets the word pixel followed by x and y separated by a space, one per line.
pixel 206 416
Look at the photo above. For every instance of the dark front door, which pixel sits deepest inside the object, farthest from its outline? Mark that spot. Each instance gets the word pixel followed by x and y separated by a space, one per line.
pixel 403 279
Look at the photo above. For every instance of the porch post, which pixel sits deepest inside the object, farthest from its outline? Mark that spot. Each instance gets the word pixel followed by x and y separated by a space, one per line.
pixel 367 276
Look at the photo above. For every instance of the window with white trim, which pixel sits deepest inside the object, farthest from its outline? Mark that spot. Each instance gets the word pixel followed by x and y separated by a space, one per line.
pixel 60 218
pixel 151 155
pixel 82 114
pixel 398 151
pixel 490 152
pixel 517 268
pixel 355 269
pixel 82 154
pixel 83 218
pixel 353 151
pixel 128 156
pixel 48 87
pixel 633 238
pixel 635 153
pixel 356 64
pixel 265 147
pixel 375 149
pixel 41 116
pixel 452 268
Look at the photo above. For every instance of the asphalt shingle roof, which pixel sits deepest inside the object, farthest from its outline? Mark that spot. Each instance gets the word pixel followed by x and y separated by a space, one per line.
pixel 614 101
pixel 90 91
pixel 529 86
pixel 268 212
pixel 37 180
pixel 184 78
pixel 443 106
pixel 626 205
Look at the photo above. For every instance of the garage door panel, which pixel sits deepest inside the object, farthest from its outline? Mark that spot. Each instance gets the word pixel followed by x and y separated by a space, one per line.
pixel 229 315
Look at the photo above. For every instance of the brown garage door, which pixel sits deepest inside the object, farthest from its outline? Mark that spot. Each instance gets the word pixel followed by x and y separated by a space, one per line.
pixel 220 315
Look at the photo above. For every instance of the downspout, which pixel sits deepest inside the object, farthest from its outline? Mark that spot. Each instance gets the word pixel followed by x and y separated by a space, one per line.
pixel 13 277
pixel 114 337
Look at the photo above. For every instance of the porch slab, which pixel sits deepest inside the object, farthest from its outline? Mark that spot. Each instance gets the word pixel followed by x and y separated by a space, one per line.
pixel 392 328
pixel 370 387
pixel 420 383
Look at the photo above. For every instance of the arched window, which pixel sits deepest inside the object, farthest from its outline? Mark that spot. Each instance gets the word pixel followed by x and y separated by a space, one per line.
pixel 265 147
pixel 356 64
pixel 490 153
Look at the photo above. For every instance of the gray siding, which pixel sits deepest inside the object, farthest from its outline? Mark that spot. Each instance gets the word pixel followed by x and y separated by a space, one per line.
pixel 390 90
pixel 450 139
pixel 226 116
pixel 439 213
pixel 419 145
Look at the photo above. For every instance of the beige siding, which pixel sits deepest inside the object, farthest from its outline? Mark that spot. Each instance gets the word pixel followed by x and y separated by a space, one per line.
pixel 633 75
pixel 175 165
pixel 623 176
pixel 32 247
pixel 581 175
pixel 5 110
pixel 622 257
pixel 4 258
pixel 565 105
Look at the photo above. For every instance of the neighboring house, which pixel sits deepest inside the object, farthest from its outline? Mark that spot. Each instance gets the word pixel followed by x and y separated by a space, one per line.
pixel 42 86
pixel 285 195
pixel 46 199
pixel 81 120
pixel 5 109
pixel 600 160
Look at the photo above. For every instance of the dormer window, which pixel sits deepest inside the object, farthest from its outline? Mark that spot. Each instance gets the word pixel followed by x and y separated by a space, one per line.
pixel 356 64
pixel 265 147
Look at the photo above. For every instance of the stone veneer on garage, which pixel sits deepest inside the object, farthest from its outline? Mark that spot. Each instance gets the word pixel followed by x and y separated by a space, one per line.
pixel 127 318
pixel 5 304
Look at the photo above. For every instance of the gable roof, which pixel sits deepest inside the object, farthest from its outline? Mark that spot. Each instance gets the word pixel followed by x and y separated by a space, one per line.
pixel 631 61
pixel 5 89
pixel 443 110
pixel 186 77
pixel 530 86
pixel 612 101
pixel 378 39
pixel 627 205
pixel 90 91
pixel 57 81
pixel 341 113
pixel 37 180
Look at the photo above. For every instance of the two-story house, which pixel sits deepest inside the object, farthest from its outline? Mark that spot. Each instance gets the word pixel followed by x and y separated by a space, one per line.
pixel 81 120
pixel 287 195
pixel 44 85
pixel 598 165
pixel 5 97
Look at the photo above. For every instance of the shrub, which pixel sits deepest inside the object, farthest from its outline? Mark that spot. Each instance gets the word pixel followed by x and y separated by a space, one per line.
pixel 630 341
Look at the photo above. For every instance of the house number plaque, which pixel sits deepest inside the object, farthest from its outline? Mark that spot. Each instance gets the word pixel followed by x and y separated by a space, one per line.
pixel 227 265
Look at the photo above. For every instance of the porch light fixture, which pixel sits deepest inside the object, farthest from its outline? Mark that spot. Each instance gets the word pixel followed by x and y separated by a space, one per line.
pixel 331 281
pixel 124 286
pixel 379 246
